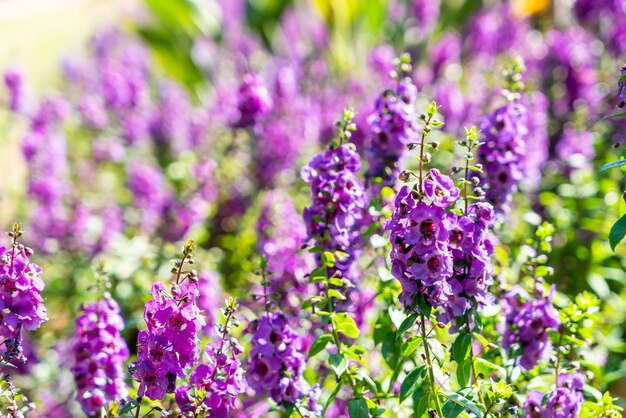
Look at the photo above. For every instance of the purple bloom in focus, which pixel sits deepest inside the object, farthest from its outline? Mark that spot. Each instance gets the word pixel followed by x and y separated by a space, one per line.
pixel 21 304
pixel 333 220
pixel 169 347
pixel 528 322
pixel 440 189
pixel 277 360
pixel 99 356
pixel 503 152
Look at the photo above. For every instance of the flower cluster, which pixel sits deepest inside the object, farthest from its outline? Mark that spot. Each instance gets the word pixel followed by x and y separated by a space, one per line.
pixel 277 359
pixel 339 200
pixel 442 256
pixel 393 126
pixel 564 402
pixel 528 322
pixel 215 386
pixel 281 235
pixel 21 304
pixel 502 154
pixel 99 356
pixel 169 347
pixel 210 298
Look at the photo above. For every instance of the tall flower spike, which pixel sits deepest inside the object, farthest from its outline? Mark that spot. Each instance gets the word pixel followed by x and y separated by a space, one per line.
pixel 214 386
pixel 21 304
pixel 393 126
pixel 504 150
pixel 99 355
pixel 339 199
pixel 169 347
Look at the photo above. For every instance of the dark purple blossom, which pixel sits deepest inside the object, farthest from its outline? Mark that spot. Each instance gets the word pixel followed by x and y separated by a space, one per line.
pixel 254 101
pixel 563 402
pixel 15 85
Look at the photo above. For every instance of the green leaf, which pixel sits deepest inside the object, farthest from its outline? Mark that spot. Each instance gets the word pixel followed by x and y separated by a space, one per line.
pixel 612 164
pixel 622 78
pixel 391 350
pixel 320 344
pixel 346 325
pixel 421 404
pixel 463 373
pixel 491 365
pixel 412 381
pixel 461 347
pixel 129 407
pixel 463 402
pixel 328 259
pixel 618 230
pixel 338 363
pixel 334 293
pixel 437 350
pixel 357 408
pixel 409 346
pixel 423 305
pixel 406 324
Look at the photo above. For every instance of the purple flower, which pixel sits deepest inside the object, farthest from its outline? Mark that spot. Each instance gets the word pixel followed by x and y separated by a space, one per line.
pixel 99 356
pixel 503 152
pixel 170 344
pixel 21 304
pixel 15 85
pixel 621 87
pixel 426 12
pixel 339 201
pixel 564 402
pixel 440 189
pixel 281 235
pixel 393 125
pixel 277 360
pixel 254 101
pixel 210 298
pixel 528 322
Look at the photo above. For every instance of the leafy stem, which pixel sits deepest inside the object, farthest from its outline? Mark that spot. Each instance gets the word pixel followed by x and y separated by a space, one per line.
pixel 429 364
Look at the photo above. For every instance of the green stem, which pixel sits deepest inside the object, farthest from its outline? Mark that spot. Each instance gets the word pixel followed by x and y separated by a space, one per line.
pixel 431 373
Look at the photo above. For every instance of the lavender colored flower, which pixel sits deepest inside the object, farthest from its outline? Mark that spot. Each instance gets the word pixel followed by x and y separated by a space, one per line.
pixel 564 402
pixel 426 12
pixel 277 359
pixel 214 387
pixel 537 140
pixel 503 152
pixel 254 101
pixel 575 147
pixel 93 112
pixel 380 59
pixel 169 347
pixel 393 126
pixel 440 189
pixel 281 235
pixel 210 297
pixel 441 257
pixel 528 322
pixel 339 200
pixel 15 85
pixel 147 184
pixel 99 356
pixel 621 88
pixel 170 123
pixel 21 304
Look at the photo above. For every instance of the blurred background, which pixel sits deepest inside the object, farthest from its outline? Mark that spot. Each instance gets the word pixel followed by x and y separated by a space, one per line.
pixel 131 181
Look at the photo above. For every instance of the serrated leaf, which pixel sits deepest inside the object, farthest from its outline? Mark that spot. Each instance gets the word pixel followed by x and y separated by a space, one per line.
pixel 618 231
pixel 357 408
pixel 612 164
pixel 411 382
pixel 346 325
pixel 320 344
pixel 338 363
